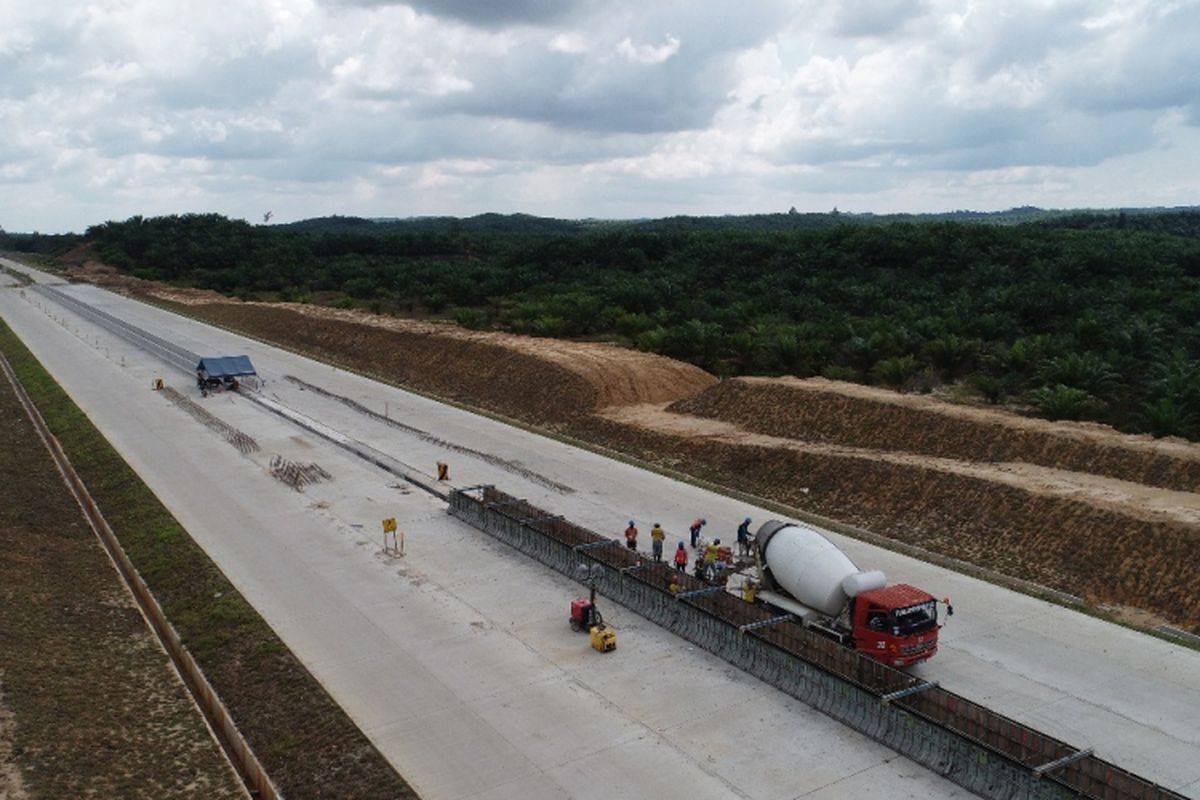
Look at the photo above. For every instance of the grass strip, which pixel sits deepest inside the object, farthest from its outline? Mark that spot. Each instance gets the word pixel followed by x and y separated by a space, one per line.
pixel 304 739
pixel 95 708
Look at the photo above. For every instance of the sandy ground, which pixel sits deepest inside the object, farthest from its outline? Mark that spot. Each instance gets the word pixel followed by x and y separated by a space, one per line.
pixel 620 376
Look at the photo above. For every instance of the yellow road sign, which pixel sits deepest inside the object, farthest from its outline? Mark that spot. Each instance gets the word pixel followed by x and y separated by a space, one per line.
pixel 389 525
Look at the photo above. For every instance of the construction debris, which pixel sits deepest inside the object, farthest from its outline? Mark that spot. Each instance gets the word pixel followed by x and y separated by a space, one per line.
pixel 296 474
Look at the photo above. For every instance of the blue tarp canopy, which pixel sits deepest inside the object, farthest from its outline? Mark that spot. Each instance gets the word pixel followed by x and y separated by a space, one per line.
pixel 226 366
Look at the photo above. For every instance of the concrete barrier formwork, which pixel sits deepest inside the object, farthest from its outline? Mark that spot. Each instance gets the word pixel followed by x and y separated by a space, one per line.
pixel 983 751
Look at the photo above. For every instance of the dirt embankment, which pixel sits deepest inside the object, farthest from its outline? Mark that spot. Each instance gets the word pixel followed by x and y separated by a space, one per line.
pixel 818 410
pixel 542 380
pixel 1079 508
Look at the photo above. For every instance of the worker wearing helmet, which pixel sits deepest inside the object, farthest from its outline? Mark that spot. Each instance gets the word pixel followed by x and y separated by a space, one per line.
pixel 631 536
pixel 710 558
pixel 657 535
pixel 681 558
pixel 743 537
pixel 695 529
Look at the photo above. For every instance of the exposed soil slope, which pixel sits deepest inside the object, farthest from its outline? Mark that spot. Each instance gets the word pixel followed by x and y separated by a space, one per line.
pixel 1149 503
pixel 818 410
pixel 539 379
pixel 546 379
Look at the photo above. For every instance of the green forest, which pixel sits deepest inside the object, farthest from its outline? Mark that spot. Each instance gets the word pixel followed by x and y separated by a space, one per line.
pixel 1071 316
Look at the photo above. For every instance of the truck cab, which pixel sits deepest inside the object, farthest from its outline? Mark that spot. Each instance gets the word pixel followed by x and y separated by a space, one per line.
pixel 895 624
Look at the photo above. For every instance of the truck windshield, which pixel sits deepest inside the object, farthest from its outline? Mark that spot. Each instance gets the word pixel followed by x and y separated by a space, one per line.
pixel 915 619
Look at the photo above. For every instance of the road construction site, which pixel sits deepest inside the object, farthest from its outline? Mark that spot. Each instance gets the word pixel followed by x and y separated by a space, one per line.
pixel 456 659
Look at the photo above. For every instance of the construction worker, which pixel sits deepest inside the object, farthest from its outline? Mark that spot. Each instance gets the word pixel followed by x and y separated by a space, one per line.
pixel 695 529
pixel 681 558
pixel 657 534
pixel 710 558
pixel 631 536
pixel 743 537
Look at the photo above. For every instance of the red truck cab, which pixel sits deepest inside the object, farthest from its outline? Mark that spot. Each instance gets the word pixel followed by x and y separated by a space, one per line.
pixel 897 624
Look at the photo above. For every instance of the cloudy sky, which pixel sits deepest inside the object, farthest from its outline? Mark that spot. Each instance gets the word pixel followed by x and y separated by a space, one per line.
pixel 591 108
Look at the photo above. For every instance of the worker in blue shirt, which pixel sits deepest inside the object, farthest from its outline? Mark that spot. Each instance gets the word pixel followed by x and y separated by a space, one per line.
pixel 743 537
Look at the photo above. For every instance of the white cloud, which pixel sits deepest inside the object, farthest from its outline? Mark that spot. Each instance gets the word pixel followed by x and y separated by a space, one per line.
pixel 568 42
pixel 648 54
pixel 117 107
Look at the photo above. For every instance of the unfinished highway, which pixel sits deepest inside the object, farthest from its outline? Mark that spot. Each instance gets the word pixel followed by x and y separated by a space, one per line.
pixel 456 659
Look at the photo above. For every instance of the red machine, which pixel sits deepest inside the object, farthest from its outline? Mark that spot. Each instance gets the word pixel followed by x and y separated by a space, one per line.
pixel 584 614
pixel 586 617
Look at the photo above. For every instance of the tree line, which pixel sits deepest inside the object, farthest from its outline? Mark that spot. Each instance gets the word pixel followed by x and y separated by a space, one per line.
pixel 1074 317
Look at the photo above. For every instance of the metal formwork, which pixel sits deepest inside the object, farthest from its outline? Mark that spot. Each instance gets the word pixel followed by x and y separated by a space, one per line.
pixel 977 748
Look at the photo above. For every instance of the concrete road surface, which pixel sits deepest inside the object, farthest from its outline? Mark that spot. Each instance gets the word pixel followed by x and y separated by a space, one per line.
pixel 456 659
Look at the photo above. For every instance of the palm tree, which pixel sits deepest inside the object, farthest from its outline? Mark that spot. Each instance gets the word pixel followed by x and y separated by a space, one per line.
pixel 1166 417
pixel 895 372
pixel 1085 371
pixel 1066 402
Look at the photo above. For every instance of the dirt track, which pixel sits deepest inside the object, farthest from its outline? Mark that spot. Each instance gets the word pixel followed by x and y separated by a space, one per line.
pixel 1077 507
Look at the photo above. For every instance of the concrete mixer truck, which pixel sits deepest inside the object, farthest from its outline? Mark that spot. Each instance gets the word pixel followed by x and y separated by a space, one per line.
pixel 803 573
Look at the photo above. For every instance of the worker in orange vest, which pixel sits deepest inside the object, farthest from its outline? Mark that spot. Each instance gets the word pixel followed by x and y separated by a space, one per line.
pixel 631 536
pixel 681 558
pixel 695 529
